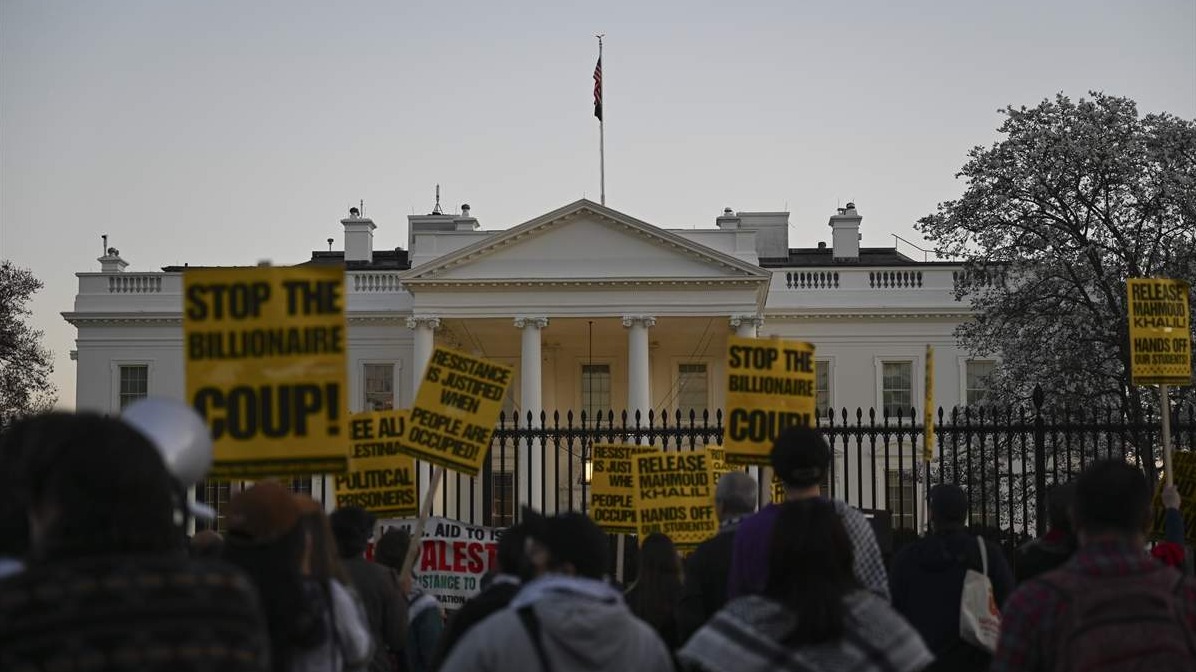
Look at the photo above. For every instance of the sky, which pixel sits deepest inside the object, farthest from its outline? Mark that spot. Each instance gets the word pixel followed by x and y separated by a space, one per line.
pixel 229 132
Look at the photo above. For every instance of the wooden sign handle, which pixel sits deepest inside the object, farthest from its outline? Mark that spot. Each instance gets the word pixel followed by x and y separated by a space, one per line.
pixel 426 510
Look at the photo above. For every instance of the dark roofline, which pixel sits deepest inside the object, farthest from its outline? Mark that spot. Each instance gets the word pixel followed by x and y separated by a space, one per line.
pixel 384 260
pixel 801 257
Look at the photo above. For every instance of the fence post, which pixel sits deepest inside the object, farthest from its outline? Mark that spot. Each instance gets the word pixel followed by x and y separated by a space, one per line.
pixel 1040 512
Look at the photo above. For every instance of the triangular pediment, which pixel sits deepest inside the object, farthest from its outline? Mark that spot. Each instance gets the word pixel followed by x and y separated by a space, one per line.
pixel 587 241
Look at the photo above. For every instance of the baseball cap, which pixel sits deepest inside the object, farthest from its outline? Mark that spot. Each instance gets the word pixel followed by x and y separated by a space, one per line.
pixel 261 514
pixel 800 456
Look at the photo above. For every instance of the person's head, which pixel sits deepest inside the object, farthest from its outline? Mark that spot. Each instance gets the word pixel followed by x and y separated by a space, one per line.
pixel 568 543
pixel 207 544
pixel 95 486
pixel 1060 498
pixel 735 495
pixel 392 547
pixel 352 526
pixel 810 568
pixel 658 557
pixel 511 554
pixel 322 560
pixel 948 507
pixel 264 538
pixel 1112 500
pixel 801 459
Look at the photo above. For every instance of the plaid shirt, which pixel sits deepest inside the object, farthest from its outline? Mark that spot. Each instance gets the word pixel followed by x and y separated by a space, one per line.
pixel 1031 618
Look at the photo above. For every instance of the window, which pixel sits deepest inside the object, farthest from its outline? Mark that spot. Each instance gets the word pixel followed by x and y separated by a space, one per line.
pixel 503 499
pixel 301 486
pixel 981 513
pixel 595 390
pixel 977 376
pixel 379 380
pixel 897 388
pixel 822 387
pixel 216 495
pixel 134 383
pixel 901 498
pixel 693 390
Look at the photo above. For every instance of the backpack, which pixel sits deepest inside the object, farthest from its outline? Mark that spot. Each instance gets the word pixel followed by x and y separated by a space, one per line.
pixel 1124 623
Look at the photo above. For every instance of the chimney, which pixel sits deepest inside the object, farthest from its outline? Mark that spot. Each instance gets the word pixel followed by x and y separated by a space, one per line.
pixel 359 237
pixel 111 261
pixel 728 220
pixel 845 234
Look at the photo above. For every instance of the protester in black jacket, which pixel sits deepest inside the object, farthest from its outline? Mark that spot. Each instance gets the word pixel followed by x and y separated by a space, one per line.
pixel 511 572
pixel 927 581
pixel 385 608
pixel 708 567
pixel 1041 555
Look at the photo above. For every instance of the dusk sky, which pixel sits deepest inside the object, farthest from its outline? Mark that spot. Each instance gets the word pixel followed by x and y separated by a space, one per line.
pixel 222 132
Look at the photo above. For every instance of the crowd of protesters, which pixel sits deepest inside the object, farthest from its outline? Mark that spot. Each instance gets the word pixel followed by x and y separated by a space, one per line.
pixel 96 573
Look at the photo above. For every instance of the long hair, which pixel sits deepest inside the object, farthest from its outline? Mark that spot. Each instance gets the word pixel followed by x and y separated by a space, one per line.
pixel 295 621
pixel 325 561
pixel 810 569
pixel 100 487
pixel 657 589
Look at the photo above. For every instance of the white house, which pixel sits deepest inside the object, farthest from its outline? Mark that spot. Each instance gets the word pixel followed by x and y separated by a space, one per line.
pixel 595 309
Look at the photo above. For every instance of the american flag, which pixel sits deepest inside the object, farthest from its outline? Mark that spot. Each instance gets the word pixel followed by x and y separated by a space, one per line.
pixel 598 89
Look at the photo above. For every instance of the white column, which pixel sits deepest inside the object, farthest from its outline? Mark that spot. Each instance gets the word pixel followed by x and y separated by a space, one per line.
pixel 425 327
pixel 639 372
pixel 530 467
pixel 747 326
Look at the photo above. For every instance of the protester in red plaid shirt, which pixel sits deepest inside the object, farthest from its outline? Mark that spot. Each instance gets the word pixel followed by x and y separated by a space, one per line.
pixel 1112 606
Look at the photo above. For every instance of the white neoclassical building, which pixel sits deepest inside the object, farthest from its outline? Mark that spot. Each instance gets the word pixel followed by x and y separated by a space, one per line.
pixel 595 309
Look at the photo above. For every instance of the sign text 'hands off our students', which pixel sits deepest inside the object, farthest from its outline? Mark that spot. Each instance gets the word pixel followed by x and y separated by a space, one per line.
pixel 265 367
pixel 770 386
pixel 1160 331
pixel 455 410
pixel 381 478
pixel 612 486
pixel 674 495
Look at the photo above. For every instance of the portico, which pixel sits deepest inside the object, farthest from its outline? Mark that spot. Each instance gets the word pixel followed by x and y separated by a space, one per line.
pixel 596 311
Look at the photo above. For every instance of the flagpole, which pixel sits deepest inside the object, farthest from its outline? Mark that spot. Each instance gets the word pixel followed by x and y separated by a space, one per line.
pixel 602 135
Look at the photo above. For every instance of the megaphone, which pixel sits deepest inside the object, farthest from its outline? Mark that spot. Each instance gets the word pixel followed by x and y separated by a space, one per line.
pixel 181 437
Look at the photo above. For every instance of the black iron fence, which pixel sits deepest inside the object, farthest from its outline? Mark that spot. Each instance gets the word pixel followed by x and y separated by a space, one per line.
pixel 1003 456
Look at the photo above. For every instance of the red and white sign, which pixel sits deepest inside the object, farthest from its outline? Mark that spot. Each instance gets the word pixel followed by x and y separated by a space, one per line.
pixel 454 556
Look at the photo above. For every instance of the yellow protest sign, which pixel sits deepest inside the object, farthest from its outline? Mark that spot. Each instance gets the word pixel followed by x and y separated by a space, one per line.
pixel 1184 464
pixel 778 491
pixel 674 494
pixel 928 408
pixel 770 386
pixel 381 478
pixel 1160 332
pixel 718 464
pixel 612 490
pixel 265 366
pixel 455 410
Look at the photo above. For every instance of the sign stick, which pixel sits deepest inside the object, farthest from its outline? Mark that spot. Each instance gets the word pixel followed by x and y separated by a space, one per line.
pixel 425 511
pixel 1165 402
pixel 620 554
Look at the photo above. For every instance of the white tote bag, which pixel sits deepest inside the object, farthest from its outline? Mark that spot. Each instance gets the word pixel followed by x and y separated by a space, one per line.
pixel 979 618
